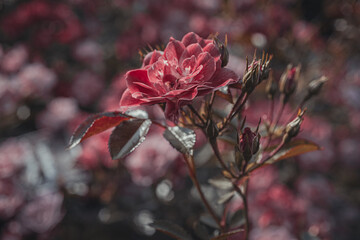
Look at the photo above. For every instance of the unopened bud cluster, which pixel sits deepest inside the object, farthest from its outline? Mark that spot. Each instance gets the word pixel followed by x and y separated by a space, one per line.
pixel 249 143
pixel 255 73
pixel 292 128
pixel 224 53
pixel 314 87
pixel 288 81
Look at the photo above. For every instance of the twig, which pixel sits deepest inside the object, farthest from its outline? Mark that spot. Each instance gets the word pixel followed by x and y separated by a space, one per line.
pixel 194 179
pixel 243 196
pixel 197 114
pixel 237 107
pixel 215 148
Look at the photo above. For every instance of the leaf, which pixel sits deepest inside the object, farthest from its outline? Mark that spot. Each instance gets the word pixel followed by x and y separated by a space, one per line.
pixel 171 229
pixel 182 139
pixel 201 230
pixel 237 219
pixel 225 236
pixel 127 136
pixel 221 183
pixel 209 221
pixel 137 113
pixel 294 148
pixel 226 197
pixel 96 124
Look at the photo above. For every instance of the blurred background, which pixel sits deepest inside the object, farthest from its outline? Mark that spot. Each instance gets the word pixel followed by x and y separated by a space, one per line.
pixel 61 60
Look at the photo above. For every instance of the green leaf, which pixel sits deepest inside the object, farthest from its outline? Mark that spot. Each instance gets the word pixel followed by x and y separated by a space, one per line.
pixel 226 197
pixel 221 183
pixel 182 139
pixel 209 221
pixel 201 230
pixel 237 219
pixel 171 229
pixel 127 136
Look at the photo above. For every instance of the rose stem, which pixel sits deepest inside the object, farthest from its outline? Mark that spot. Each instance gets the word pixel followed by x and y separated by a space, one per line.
pixel 215 148
pixel 237 107
pixel 197 114
pixel 194 179
pixel 243 196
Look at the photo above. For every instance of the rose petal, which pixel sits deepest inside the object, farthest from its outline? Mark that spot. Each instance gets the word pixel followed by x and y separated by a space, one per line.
pixel 209 67
pixel 191 50
pixel 191 38
pixel 138 81
pixel 128 101
pixel 222 78
pixel 152 57
pixel 174 50
pixel 189 64
pixel 213 50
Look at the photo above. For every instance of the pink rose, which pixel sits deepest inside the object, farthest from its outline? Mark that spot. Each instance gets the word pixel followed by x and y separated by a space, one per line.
pixel 186 69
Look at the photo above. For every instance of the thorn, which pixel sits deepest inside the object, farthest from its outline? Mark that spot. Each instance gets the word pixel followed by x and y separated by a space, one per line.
pixel 257 128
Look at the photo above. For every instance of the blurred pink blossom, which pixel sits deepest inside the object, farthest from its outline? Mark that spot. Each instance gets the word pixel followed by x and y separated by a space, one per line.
pixel 149 161
pixel 43 213
pixel 58 113
pixel 87 87
pixel 11 198
pixel 11 157
pixel 14 59
pixel 35 80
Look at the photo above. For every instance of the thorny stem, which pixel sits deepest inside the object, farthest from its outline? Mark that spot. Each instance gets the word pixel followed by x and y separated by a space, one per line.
pixel 271 112
pixel 237 107
pixel 215 148
pixel 243 196
pixel 300 106
pixel 201 193
pixel 273 128
pixel 223 218
pixel 209 109
pixel 282 106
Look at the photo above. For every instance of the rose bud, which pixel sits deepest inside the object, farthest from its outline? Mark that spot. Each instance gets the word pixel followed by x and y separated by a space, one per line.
pixel 251 77
pixel 293 127
pixel 224 53
pixel 288 81
pixel 249 143
pixel 314 87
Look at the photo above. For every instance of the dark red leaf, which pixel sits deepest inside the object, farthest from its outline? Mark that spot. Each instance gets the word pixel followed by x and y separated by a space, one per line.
pixel 127 136
pixel 96 124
